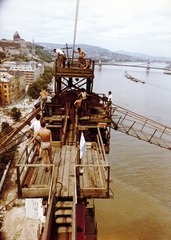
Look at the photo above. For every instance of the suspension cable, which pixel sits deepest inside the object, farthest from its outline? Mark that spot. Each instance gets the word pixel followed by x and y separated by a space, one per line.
pixel 75 28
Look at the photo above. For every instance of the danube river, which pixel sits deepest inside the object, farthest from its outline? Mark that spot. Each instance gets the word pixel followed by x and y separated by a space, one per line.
pixel 141 172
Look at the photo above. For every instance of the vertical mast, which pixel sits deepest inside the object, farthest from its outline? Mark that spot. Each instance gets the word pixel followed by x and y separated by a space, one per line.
pixel 75 28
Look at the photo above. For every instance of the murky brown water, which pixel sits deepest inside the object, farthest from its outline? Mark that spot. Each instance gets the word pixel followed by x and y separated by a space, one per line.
pixel 141 173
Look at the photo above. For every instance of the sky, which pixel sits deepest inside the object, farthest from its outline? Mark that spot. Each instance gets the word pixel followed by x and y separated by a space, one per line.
pixel 137 26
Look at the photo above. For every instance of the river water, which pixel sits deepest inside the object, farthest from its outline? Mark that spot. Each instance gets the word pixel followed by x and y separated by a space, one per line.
pixel 141 172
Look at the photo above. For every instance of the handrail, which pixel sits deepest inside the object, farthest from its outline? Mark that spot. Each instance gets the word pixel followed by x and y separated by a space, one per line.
pixel 141 127
pixel 73 65
pixel 64 130
pixel 137 116
pixel 19 128
pixel 101 146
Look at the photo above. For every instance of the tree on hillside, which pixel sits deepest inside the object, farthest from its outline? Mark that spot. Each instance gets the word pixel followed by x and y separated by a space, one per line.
pixel 4 125
pixel 5 158
pixel 43 54
pixel 5 129
pixel 48 74
pixel 2 55
pixel 15 114
pixel 35 88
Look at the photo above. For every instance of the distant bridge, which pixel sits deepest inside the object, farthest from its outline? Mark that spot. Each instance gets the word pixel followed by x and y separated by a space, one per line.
pixel 147 66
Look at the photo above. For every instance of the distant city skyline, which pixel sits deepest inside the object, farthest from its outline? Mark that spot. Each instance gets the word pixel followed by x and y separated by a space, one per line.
pixel 134 26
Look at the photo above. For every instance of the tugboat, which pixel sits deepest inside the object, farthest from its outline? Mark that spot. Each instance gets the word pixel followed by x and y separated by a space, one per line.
pixel 168 72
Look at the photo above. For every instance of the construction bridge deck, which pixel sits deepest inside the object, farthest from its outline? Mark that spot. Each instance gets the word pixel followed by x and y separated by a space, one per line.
pixel 34 181
pixel 69 178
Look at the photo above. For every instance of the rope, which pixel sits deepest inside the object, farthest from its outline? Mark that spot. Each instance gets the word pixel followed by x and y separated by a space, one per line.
pixel 75 28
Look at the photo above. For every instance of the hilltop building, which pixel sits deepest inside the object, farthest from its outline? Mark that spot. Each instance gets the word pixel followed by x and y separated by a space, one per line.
pixel 16 76
pixel 16 46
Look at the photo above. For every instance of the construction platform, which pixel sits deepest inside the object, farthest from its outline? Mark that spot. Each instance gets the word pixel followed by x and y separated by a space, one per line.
pixel 90 176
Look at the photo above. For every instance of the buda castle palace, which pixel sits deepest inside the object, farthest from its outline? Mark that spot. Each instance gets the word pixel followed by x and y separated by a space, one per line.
pixel 16 76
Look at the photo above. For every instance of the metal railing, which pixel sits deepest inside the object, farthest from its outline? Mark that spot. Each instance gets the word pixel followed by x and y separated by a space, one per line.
pixel 141 127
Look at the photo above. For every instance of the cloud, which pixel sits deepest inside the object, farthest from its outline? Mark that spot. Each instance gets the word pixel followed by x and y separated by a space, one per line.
pixel 119 24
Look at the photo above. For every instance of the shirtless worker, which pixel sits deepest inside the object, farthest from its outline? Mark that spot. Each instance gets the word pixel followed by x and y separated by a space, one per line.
pixel 43 98
pixel 46 142
pixel 81 59
pixel 84 95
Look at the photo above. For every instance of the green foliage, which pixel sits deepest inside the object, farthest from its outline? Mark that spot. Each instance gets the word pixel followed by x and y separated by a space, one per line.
pixel 4 125
pixel 48 74
pixel 5 158
pixel 35 88
pixel 6 128
pixel 15 114
pixel 8 155
pixel 2 55
pixel 19 57
pixel 43 55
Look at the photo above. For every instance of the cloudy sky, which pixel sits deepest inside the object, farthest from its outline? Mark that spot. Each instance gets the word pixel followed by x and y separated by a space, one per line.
pixel 142 26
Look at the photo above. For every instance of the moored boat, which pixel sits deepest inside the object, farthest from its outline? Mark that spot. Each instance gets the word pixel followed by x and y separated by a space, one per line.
pixel 167 72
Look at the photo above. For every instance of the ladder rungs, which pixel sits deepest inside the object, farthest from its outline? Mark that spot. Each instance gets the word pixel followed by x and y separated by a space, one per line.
pixel 63 212
pixel 64 220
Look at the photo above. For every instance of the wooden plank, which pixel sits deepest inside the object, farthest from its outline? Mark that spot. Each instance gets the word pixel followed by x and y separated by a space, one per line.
pixel 72 172
pixel 88 175
pixel 61 169
pixel 35 192
pixel 94 193
pixel 64 229
pixel 56 144
pixel 98 170
pixel 92 174
pixel 56 154
pixel 68 156
pixel 85 179
pixel 72 180
pixel 66 212
pixel 93 180
pixel 65 204
pixel 28 177
pixel 46 176
pixel 64 220
pixel 70 134
pixel 39 186
pixel 33 177
pixel 64 233
pixel 39 175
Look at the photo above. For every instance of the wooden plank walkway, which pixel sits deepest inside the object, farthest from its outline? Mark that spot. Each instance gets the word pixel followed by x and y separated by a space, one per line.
pixel 92 181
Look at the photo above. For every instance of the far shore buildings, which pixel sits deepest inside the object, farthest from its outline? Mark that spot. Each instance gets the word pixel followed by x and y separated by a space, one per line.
pixel 15 77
